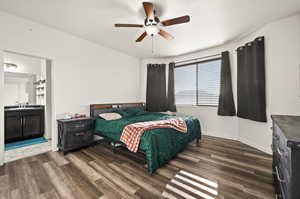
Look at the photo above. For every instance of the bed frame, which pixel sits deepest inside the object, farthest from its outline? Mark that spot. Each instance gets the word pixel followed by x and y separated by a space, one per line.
pixel 96 109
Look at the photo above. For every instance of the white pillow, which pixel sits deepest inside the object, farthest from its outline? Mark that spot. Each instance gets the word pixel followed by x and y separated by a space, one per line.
pixel 110 116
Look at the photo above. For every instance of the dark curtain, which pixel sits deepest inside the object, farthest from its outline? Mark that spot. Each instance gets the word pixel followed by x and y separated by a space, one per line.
pixel 226 102
pixel 251 89
pixel 156 97
pixel 171 95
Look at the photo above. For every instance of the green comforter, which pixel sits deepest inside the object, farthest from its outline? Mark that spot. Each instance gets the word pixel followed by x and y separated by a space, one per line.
pixel 160 145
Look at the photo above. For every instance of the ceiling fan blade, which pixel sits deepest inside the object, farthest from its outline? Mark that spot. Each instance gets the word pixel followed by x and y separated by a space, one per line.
pixel 129 25
pixel 178 20
pixel 165 35
pixel 141 37
pixel 149 9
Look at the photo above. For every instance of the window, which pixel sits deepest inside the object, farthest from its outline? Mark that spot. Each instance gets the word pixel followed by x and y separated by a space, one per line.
pixel 198 83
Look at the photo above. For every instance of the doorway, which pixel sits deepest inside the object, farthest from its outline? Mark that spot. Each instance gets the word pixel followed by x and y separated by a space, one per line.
pixel 27 105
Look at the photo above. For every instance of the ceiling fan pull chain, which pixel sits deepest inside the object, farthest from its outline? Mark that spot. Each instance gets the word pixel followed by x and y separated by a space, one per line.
pixel 152 45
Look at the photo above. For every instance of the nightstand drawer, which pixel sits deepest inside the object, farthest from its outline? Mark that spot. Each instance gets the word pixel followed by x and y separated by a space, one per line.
pixel 79 126
pixel 78 139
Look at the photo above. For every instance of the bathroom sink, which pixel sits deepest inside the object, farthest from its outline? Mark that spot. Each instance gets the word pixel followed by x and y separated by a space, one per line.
pixel 29 107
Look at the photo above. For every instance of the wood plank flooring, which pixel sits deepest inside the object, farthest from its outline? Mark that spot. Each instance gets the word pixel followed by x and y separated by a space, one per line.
pixel 218 168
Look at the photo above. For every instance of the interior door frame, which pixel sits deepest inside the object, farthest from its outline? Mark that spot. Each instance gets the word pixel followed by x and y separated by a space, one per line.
pixel 1 108
pixel 54 135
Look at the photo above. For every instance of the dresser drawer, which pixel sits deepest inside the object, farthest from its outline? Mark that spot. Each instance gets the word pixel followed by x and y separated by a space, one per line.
pixel 286 155
pixel 281 152
pixel 278 137
pixel 283 181
pixel 283 157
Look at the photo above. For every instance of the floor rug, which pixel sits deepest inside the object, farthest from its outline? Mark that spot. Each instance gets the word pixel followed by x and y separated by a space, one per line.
pixel 19 144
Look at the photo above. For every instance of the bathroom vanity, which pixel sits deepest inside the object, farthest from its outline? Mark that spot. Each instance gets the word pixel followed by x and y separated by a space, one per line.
pixel 23 123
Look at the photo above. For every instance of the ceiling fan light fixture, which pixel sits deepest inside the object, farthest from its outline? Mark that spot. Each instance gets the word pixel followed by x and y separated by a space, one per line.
pixel 152 30
pixel 153 25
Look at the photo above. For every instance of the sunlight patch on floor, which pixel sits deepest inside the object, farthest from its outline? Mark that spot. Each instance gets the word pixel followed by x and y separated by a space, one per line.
pixel 212 191
pixel 208 182
pixel 190 186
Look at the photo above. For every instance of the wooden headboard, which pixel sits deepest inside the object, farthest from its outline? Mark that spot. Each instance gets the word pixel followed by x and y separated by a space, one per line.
pixel 95 109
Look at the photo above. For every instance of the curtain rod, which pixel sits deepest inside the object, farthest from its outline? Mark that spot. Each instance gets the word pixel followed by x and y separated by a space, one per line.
pixel 188 60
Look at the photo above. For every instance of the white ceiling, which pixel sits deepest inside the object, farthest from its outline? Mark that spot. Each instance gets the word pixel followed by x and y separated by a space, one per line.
pixel 213 22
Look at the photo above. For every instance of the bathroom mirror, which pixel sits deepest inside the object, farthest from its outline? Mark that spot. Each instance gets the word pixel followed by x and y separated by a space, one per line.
pixel 19 88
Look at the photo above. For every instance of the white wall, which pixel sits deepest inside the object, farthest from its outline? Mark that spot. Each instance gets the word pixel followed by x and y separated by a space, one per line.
pixel 83 72
pixel 282 83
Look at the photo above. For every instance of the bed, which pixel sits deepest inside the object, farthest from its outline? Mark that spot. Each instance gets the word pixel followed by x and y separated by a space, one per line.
pixel 159 145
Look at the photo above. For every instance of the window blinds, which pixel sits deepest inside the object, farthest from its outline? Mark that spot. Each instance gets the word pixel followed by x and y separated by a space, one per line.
pixel 198 84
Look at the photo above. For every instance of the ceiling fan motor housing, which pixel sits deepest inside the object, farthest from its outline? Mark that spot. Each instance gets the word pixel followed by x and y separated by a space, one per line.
pixel 151 21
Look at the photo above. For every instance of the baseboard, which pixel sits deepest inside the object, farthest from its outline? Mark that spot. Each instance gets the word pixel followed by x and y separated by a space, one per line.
pixel 266 149
pixel 214 134
pixel 54 148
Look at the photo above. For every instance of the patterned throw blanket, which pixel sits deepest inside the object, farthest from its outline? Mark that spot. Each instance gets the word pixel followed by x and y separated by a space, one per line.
pixel 132 133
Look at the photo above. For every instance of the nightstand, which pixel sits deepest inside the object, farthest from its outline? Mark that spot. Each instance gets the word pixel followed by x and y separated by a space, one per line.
pixel 75 133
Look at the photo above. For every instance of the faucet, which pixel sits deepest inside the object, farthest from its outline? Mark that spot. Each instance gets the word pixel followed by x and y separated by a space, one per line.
pixel 18 103
pixel 21 105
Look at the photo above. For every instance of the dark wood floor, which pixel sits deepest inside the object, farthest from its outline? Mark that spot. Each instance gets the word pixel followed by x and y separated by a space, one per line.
pixel 218 168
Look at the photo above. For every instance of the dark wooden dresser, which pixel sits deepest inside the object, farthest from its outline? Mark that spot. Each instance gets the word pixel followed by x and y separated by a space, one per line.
pixel 75 133
pixel 286 156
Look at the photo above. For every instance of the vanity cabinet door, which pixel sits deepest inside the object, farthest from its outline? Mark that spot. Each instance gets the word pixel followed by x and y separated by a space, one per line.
pixel 33 123
pixel 13 126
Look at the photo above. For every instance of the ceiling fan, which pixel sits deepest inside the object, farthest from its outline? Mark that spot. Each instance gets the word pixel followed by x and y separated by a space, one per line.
pixel 153 25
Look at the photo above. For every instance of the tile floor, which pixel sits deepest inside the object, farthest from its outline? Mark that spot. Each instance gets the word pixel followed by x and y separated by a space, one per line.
pixel 27 151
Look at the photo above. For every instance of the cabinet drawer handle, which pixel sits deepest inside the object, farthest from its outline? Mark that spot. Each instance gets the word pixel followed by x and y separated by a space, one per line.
pixel 279 152
pixel 273 148
pixel 79 126
pixel 278 177
pixel 80 134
